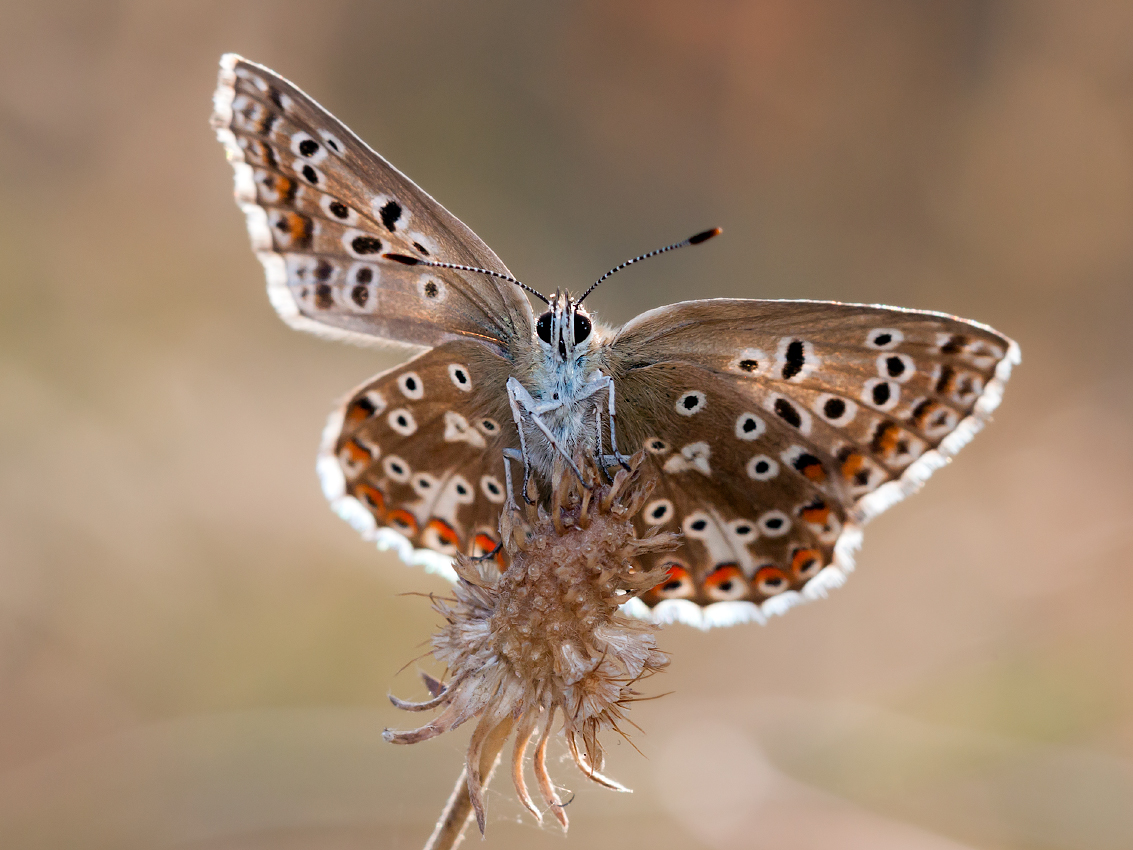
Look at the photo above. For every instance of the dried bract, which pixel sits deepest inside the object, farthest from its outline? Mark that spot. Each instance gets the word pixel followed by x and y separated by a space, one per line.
pixel 546 637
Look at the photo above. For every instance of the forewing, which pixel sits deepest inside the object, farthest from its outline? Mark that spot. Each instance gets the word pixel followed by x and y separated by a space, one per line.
pixel 777 428
pixel 322 208
pixel 414 458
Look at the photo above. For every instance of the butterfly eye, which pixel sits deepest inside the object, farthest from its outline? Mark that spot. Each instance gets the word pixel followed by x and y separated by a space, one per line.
pixel 543 327
pixel 581 328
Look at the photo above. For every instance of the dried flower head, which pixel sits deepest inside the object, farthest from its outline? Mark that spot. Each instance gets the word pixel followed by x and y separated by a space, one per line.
pixel 546 636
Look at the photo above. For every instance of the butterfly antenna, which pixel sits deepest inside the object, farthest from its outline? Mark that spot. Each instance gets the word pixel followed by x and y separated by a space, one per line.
pixel 407 260
pixel 692 240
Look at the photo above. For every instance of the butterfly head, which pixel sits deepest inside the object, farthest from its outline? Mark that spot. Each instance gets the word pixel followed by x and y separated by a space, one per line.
pixel 565 329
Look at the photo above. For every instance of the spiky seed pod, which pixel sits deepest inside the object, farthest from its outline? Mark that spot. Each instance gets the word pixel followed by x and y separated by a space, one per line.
pixel 546 637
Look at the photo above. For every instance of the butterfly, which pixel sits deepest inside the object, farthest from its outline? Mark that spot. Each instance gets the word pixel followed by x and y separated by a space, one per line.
pixel 772 430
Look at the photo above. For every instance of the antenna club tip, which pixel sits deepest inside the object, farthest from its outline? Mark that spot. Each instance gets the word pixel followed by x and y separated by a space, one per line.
pixel 404 259
pixel 704 236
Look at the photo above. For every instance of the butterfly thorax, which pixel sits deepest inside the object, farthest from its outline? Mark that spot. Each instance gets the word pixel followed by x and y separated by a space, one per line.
pixel 567 357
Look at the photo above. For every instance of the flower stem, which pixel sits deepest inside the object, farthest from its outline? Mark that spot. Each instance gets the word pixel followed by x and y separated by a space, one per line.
pixel 457 813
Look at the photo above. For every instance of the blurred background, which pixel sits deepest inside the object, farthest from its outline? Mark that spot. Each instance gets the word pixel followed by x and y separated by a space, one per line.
pixel 195 652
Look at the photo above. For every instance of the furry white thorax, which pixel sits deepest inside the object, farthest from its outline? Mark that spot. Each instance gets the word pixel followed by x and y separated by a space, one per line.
pixel 561 380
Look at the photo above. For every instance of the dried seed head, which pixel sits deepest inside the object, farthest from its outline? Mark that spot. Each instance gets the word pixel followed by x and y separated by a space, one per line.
pixel 547 636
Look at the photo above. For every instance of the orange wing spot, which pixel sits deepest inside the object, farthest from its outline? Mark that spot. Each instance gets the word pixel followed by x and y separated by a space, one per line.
pixel 813 471
pixel 295 226
pixel 852 465
pixel 678 584
pixel 885 439
pixel 356 452
pixel 485 543
pixel 403 521
pixel 770 580
pixel 445 532
pixel 923 411
pixel 726 582
pixel 372 497
pixel 358 412
pixel 806 562
pixel 816 512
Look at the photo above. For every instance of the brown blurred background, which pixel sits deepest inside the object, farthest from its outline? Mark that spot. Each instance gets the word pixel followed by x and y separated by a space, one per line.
pixel 195 653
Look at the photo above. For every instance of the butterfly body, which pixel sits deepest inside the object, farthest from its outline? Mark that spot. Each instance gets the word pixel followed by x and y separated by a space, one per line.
pixel 773 429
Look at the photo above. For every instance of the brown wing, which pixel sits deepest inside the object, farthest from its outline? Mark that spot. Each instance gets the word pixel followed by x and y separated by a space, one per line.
pixel 414 460
pixel 322 208
pixel 777 428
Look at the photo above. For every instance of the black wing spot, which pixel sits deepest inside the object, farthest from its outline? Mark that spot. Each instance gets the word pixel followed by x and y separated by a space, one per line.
pixel 882 339
pixel 802 462
pixel 699 525
pixel 360 295
pixel 390 213
pixel 411 384
pixel 954 345
pixel 421 248
pixel 834 408
pixel 323 270
pixel 461 490
pixel 895 366
pixel 880 394
pixel 339 209
pixel 324 296
pixel 364 275
pixel 761 467
pixel 366 245
pixel 308 147
pixel 749 365
pixel 787 412
pixel 796 359
pixel 310 175
pixel 431 290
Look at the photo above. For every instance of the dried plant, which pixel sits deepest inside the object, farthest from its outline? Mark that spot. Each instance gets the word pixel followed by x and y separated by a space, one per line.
pixel 546 637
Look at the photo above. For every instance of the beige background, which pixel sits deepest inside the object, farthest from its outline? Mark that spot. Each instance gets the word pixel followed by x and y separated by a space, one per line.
pixel 195 653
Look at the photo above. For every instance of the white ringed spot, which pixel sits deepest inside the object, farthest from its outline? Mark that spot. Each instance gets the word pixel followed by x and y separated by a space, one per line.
pixel 750 427
pixel 774 523
pixel 743 530
pixel 461 379
pixel 899 367
pixel 304 145
pixel 424 484
pixel 762 468
pixel 881 394
pixel 835 409
pixel 490 486
pixel 690 402
pixel 410 385
pixel 402 421
pixel 656 446
pixel 396 469
pixel 884 339
pixel 658 512
pixel 461 490
pixel 696 525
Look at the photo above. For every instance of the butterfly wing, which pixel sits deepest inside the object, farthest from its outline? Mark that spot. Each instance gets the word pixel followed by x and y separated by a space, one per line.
pixel 322 208
pixel 776 429
pixel 413 459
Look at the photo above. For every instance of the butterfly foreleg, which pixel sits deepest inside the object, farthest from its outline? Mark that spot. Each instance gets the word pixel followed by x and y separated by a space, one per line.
pixel 605 382
pixel 522 403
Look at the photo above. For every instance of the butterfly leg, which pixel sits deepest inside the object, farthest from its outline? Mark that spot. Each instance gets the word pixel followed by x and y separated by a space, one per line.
pixel 522 402
pixel 509 456
pixel 599 384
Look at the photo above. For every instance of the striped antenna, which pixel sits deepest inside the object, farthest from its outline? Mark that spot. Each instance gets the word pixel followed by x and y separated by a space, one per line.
pixel 406 260
pixel 692 240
